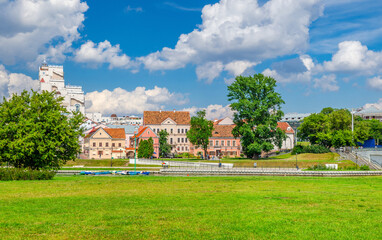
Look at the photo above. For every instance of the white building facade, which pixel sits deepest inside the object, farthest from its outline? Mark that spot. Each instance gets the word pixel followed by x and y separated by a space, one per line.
pixel 52 79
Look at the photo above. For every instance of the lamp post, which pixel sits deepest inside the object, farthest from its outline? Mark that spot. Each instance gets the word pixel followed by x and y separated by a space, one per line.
pixel 135 151
pixel 296 162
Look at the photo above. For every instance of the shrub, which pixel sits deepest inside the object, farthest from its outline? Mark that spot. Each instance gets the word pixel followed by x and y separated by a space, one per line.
pixel 364 168
pixel 9 174
pixel 310 149
pixel 318 167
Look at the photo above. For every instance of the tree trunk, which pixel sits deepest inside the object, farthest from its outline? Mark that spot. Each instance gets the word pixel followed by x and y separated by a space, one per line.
pixel 205 153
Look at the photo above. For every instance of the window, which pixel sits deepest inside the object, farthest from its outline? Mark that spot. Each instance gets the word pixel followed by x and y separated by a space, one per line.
pixel 165 129
pixel 182 148
pixel 77 107
pixel 216 143
pixel 148 132
pixel 178 130
pixel 170 140
pixel 171 130
pixel 233 143
pixel 94 144
pixel 178 140
pixel 210 143
pixel 119 145
pixel 185 139
pixel 186 130
pixel 178 148
pixel 182 140
pixel 186 148
pixel 182 130
pixel 228 143
pixel 113 144
pixel 222 143
pixel 157 130
pixel 100 153
pixel 107 144
pixel 100 144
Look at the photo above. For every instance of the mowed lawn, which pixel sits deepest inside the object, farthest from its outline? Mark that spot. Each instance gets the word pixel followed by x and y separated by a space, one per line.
pixel 130 207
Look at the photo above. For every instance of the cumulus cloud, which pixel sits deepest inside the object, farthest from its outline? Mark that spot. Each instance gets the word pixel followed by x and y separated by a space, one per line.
pixel 121 101
pixel 214 111
pixel 377 105
pixel 35 28
pixel 375 83
pixel 101 53
pixel 15 83
pixel 327 83
pixel 292 70
pixel 239 33
pixel 353 57
pixel 209 71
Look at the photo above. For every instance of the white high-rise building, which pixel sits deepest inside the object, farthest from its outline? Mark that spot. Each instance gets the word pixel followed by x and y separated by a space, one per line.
pixel 52 79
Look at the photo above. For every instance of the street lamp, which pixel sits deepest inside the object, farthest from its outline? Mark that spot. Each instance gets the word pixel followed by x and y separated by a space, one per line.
pixel 135 150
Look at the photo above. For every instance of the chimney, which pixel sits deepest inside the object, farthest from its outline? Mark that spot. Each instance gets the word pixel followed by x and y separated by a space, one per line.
pixel 160 110
pixel 174 109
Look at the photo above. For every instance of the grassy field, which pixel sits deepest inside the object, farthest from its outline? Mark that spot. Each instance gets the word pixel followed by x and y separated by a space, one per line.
pixel 88 207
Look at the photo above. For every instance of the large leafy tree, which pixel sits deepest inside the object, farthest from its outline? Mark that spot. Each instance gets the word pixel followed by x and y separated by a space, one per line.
pixel 332 127
pixel 257 108
pixel 164 146
pixel 146 148
pixel 36 131
pixel 200 131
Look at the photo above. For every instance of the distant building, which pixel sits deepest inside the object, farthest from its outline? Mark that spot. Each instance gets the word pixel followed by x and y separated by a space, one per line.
pixel 105 143
pixel 52 79
pixel 144 133
pixel 114 119
pixel 176 123
pixel 370 113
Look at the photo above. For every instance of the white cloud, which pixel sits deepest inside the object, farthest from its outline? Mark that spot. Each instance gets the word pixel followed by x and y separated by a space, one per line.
pixel 327 83
pixel 213 111
pixel 15 83
pixel 377 105
pixel 209 71
pixel 241 30
pixel 353 57
pixel 293 70
pixel 121 101
pixel 103 52
pixel 236 68
pixel 36 28
pixel 375 83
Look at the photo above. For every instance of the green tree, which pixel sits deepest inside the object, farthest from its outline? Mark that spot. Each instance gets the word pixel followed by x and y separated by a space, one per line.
pixel 146 148
pixel 164 146
pixel 36 131
pixel 375 128
pixel 257 108
pixel 200 131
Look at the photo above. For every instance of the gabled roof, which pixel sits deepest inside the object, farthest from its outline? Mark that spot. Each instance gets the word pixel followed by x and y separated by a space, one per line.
pixel 157 117
pixel 285 127
pixel 113 132
pixel 116 132
pixel 143 129
pixel 222 130
pixel 42 80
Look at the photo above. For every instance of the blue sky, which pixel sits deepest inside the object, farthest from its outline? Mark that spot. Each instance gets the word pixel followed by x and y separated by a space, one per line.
pixel 137 55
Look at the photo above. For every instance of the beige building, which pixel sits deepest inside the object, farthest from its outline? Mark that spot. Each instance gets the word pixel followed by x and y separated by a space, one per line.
pixel 105 143
pixel 176 123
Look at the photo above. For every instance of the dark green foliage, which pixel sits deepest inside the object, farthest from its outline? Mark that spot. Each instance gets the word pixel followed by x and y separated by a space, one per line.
pixel 146 148
pixel 164 146
pixel 257 108
pixel 36 131
pixel 200 131
pixel 318 167
pixel 9 174
pixel 332 128
pixel 310 149
pixel 364 168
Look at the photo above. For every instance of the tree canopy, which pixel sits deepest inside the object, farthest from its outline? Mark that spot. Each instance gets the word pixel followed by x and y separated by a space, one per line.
pixel 164 146
pixel 36 131
pixel 257 109
pixel 146 148
pixel 200 131
pixel 332 128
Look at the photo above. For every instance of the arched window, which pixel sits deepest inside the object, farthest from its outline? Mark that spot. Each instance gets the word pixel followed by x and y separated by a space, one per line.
pixel 77 107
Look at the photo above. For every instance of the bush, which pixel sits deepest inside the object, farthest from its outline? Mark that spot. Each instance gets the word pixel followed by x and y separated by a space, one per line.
pixel 364 168
pixel 310 149
pixel 9 174
pixel 317 167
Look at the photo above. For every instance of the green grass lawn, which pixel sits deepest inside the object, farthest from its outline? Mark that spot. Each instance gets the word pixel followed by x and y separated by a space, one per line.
pixel 88 207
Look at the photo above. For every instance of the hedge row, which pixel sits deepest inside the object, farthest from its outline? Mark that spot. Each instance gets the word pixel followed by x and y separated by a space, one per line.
pixel 310 149
pixel 9 174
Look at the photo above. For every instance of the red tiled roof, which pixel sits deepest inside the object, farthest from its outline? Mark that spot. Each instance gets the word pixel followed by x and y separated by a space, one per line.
pixel 157 117
pixel 285 126
pixel 116 132
pixel 42 80
pixel 222 130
